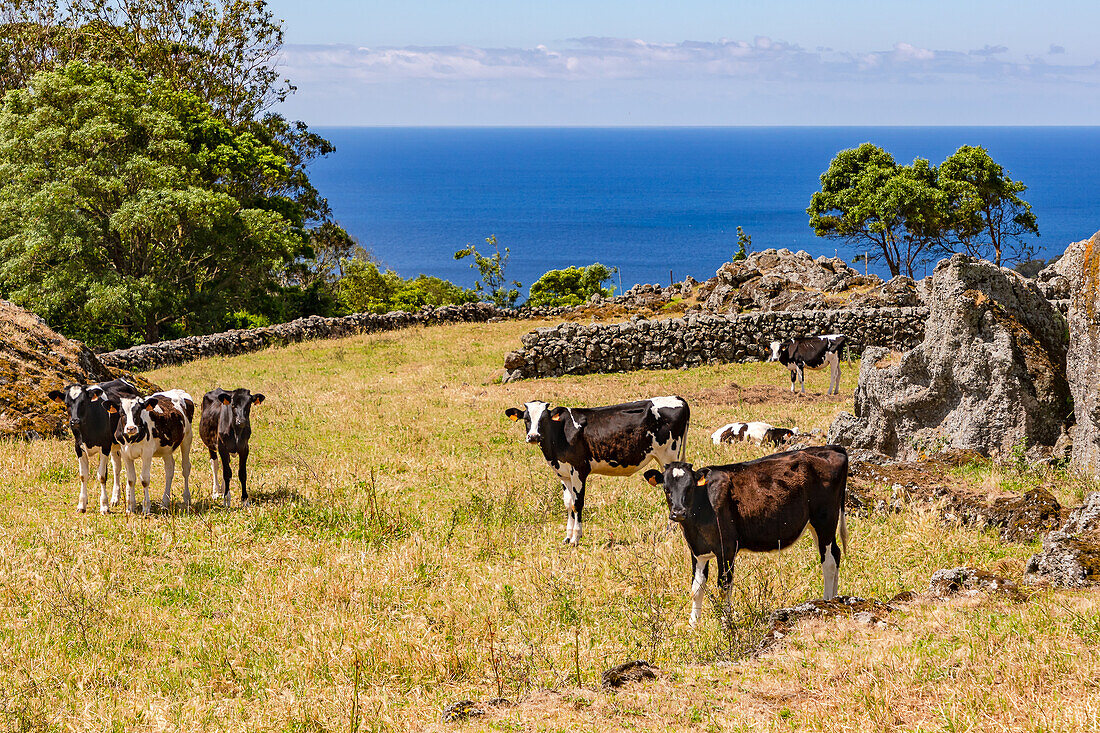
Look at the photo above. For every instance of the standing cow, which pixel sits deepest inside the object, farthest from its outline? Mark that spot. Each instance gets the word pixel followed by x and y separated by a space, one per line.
pixel 813 352
pixel 614 441
pixel 225 427
pixel 155 426
pixel 94 433
pixel 761 506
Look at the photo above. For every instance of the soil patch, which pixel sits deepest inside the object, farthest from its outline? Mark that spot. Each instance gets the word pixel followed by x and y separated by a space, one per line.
pixel 758 394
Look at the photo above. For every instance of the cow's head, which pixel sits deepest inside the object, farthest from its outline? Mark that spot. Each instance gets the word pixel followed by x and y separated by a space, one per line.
pixel 776 347
pixel 239 414
pixel 679 480
pixel 83 403
pixel 536 416
pixel 132 425
pixel 779 435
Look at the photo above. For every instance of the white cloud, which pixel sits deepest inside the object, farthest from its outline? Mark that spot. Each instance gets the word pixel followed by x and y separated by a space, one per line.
pixel 597 58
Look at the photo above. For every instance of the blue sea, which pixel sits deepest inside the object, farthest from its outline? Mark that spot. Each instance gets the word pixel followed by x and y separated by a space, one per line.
pixel 650 200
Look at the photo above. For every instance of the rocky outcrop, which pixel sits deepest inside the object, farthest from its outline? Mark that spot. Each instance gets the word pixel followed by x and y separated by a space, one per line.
pixel 968 581
pixel 1081 265
pixel 35 359
pixel 989 374
pixel 1070 555
pixel 674 343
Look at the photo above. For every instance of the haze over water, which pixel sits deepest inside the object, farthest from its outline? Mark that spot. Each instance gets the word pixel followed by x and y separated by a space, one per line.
pixel 650 200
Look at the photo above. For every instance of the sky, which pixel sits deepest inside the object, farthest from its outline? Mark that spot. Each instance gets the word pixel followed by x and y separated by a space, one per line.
pixel 693 62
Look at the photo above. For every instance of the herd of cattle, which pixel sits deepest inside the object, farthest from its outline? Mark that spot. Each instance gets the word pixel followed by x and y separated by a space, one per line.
pixel 760 505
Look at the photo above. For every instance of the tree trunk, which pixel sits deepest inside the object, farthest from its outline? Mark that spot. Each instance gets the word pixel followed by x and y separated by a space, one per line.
pixel 152 329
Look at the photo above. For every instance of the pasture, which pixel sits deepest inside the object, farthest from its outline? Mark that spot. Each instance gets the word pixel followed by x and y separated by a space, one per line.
pixel 403 552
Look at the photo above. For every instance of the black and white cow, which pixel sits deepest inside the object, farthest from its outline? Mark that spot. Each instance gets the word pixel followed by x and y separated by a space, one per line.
pixel 760 433
pixel 94 432
pixel 155 426
pixel 616 440
pixel 225 427
pixel 761 506
pixel 813 352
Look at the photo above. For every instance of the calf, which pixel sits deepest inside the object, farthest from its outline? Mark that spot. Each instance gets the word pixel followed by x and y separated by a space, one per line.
pixel 94 432
pixel 759 432
pixel 225 427
pixel 760 506
pixel 157 425
pixel 813 352
pixel 614 441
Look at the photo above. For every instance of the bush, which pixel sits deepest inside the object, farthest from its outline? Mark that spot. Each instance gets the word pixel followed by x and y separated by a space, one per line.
pixel 364 288
pixel 571 286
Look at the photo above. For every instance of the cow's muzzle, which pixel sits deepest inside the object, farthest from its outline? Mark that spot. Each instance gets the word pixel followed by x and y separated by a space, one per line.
pixel 533 438
pixel 130 432
pixel 74 423
pixel 678 516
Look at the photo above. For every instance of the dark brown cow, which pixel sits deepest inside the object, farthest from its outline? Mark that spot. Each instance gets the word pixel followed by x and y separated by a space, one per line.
pixel 616 440
pixel 225 427
pixel 761 506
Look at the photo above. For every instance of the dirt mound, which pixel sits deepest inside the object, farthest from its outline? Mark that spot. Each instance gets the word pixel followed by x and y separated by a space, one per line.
pixel 757 394
pixel 35 359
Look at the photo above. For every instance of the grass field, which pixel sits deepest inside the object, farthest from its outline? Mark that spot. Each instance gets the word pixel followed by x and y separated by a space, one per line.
pixel 403 553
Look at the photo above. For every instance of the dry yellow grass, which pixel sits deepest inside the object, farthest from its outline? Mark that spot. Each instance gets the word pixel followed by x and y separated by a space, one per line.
pixel 404 536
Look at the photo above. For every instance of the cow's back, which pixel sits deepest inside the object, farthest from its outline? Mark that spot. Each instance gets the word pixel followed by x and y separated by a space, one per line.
pixel 620 438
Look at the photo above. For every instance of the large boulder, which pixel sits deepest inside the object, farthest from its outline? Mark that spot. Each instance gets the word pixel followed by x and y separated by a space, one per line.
pixel 989 375
pixel 1081 267
pixel 1070 555
pixel 35 359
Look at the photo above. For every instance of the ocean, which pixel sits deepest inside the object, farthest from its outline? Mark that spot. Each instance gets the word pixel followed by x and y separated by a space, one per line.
pixel 650 200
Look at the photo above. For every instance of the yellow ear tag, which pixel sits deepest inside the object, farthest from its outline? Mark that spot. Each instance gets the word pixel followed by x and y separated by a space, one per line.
pixel 558 418
pixel 652 480
pixel 513 418
pixel 702 481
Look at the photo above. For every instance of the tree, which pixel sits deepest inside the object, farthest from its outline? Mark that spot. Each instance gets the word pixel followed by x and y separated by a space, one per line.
pixel 897 213
pixel 128 207
pixel 988 218
pixel 493 284
pixel 571 286
pixel 365 288
pixel 744 244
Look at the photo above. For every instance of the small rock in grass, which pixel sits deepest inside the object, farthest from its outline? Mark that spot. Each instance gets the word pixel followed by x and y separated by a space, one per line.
pixel 628 672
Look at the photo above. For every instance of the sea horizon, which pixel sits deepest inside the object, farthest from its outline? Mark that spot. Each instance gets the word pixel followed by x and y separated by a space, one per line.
pixel 650 198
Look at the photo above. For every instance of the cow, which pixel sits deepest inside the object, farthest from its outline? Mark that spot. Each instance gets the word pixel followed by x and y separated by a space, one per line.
pixel 760 433
pixel 813 352
pixel 94 433
pixel 225 427
pixel 616 440
pixel 157 425
pixel 760 506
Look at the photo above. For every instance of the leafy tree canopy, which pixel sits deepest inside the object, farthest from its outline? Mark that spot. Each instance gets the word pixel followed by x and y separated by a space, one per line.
pixel 571 286
pixel 494 284
pixel 127 207
pixel 365 288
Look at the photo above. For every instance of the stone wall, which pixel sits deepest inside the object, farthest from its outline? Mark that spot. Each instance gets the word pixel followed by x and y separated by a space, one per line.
pixel 572 348
pixel 151 356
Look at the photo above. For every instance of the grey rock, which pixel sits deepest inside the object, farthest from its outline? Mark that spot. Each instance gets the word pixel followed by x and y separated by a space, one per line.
pixel 1080 265
pixel 1071 555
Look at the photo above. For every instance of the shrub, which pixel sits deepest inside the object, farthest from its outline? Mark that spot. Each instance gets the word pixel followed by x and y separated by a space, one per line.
pixel 571 286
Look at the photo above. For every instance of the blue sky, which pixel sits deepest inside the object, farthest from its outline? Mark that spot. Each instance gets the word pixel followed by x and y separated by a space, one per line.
pixel 694 62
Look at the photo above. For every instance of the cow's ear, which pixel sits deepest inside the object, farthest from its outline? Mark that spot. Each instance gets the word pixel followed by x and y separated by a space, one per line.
pixel 701 477
pixel 225 399
pixel 57 396
pixel 514 413
pixel 94 394
pixel 111 408
pixel 654 477
pixel 558 413
pixel 149 405
pixel 257 398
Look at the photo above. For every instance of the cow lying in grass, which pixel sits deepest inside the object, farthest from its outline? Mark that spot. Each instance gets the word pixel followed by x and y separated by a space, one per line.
pixel 614 441
pixel 94 433
pixel 760 505
pixel 760 433
pixel 155 426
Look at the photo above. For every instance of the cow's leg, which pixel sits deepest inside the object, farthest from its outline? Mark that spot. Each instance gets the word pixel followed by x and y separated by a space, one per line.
pixel 131 480
pixel 215 493
pixel 802 377
pixel 116 464
pixel 569 500
pixel 102 476
pixel 169 473
pixel 794 374
pixel 146 468
pixel 82 500
pixel 185 461
pixel 834 372
pixel 578 509
pixel 700 566
pixel 242 476
pixel 725 584
pixel 227 474
pixel 829 552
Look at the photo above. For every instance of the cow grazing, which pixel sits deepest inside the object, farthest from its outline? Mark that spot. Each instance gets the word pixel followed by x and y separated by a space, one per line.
pixel 614 441
pixel 760 433
pixel 813 352
pixel 157 425
pixel 760 505
pixel 225 427
pixel 94 433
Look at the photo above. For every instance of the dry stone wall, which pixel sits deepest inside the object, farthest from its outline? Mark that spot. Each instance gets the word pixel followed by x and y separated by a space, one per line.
pixel 573 348
pixel 152 356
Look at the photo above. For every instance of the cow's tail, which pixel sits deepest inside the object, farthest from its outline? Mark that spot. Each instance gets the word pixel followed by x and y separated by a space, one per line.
pixel 842 523
pixel 842 530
